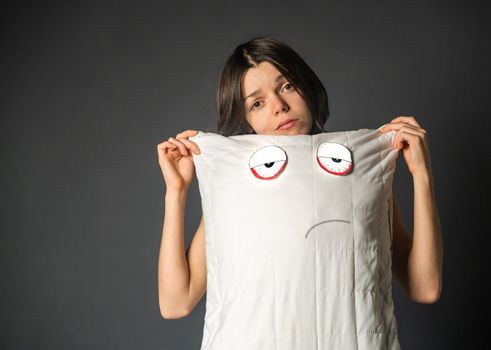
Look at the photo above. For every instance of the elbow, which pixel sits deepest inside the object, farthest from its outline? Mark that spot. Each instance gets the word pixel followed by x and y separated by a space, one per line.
pixel 173 312
pixel 169 314
pixel 429 297
pixel 434 296
pixel 173 316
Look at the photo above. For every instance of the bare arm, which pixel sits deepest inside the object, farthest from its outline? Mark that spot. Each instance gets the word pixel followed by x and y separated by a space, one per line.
pixel 196 257
pixel 417 260
pixel 181 273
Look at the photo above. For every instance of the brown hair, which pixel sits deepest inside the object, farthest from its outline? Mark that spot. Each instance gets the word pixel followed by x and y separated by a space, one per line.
pixel 230 108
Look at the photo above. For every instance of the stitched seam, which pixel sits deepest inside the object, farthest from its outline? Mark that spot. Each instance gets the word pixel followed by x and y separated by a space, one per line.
pixel 275 294
pixel 315 241
pixel 353 231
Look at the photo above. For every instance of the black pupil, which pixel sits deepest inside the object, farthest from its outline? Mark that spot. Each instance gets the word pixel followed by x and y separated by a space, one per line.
pixel 269 165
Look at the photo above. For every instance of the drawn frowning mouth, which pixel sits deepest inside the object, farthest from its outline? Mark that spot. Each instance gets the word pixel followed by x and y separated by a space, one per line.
pixel 323 222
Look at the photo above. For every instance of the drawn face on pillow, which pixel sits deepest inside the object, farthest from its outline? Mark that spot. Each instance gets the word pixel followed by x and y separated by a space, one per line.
pixel 293 183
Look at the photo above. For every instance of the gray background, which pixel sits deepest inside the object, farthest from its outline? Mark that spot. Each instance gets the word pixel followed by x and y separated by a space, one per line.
pixel 88 90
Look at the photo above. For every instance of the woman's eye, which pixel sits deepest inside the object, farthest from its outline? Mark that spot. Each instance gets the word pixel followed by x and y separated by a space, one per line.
pixel 334 158
pixel 254 104
pixel 290 86
pixel 268 162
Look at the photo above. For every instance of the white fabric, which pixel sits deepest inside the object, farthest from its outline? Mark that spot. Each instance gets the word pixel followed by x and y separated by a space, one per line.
pixel 301 260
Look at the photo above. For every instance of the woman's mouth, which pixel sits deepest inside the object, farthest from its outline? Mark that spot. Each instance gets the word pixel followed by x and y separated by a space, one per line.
pixel 288 125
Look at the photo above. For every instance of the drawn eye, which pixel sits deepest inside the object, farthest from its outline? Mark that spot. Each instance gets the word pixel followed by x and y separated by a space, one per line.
pixel 334 158
pixel 267 162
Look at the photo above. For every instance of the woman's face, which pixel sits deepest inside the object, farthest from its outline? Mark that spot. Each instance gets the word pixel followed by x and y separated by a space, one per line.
pixel 271 99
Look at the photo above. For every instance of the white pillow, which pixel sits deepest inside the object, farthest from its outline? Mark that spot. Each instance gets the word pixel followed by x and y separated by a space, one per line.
pixel 298 233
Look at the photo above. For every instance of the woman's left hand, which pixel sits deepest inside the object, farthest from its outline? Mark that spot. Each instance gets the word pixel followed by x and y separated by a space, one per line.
pixel 413 140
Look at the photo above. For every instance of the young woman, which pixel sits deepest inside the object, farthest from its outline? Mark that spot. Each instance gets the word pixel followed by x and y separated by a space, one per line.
pixel 267 89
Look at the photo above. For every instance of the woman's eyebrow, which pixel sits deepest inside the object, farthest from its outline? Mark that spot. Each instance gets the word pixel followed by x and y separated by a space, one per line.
pixel 277 79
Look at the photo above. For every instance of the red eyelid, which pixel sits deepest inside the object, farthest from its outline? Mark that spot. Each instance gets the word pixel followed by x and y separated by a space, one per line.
pixel 271 177
pixel 334 172
pixel 268 162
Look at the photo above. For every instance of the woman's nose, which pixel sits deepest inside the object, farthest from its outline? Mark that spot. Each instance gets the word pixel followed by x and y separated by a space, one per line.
pixel 280 105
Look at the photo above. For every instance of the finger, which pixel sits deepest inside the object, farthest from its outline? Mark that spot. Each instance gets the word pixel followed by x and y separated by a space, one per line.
pixel 406 134
pixel 166 156
pixel 186 133
pixel 408 119
pixel 191 145
pixel 184 136
pixel 396 126
pixel 179 144
pixel 405 137
pixel 165 144
pixel 164 147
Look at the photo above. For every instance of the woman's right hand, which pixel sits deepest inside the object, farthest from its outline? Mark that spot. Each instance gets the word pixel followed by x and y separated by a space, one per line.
pixel 176 162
